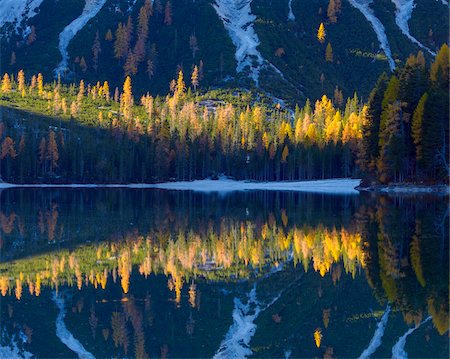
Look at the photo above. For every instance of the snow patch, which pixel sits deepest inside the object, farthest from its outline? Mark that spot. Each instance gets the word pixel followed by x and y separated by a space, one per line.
pixel 404 9
pixel 237 19
pixel 63 333
pixel 331 186
pixel 291 16
pixel 364 7
pixel 444 2
pixel 91 8
pixel 375 342
pixel 17 11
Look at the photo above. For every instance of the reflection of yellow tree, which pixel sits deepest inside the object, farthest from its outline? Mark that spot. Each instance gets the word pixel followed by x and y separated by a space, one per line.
pixel 235 248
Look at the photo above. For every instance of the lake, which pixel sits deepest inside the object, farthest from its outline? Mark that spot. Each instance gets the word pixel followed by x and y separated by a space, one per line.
pixel 152 273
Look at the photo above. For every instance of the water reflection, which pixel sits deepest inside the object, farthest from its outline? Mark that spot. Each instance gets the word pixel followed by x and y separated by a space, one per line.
pixel 151 273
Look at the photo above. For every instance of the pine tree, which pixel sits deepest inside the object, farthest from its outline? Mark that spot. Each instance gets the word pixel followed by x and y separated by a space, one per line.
pixel 329 53
pixel 193 45
pixel 321 33
pixel 121 44
pixel 52 154
pixel 417 126
pixel 194 78
pixel 439 72
pixel 109 35
pixel 130 66
pixel 13 59
pixel 8 148
pixel 168 14
pixel 96 50
pixel 338 97
pixel 83 64
pixel 331 11
pixel 369 145
pixel 32 36
pixel 391 164
pixel 150 68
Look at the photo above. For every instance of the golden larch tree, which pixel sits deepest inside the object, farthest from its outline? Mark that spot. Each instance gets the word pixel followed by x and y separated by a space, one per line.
pixel 40 84
pixel 329 53
pixel 195 78
pixel 21 81
pixel 321 33
pixel 6 83
pixel 126 100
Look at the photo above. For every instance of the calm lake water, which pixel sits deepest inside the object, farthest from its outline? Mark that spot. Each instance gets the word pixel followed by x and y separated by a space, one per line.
pixel 149 273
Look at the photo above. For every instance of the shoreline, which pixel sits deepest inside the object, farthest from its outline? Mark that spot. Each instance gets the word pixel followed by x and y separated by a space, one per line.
pixel 406 188
pixel 224 184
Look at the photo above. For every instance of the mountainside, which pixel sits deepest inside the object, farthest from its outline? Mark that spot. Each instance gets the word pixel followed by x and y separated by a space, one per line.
pixel 269 44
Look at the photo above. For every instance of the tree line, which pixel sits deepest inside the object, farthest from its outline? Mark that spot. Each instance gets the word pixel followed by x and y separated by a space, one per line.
pixel 91 134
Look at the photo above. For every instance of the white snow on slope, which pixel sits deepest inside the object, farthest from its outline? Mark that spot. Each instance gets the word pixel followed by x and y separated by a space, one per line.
pixel 15 11
pixel 331 186
pixel 398 351
pixel 404 9
pixel 444 2
pixel 364 7
pixel 63 333
pixel 375 342
pixel 237 19
pixel 91 8
pixel 291 16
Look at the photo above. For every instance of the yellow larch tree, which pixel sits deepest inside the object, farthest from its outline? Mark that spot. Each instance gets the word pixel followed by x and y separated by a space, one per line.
pixel 40 84
pixel 126 100
pixel 21 81
pixel 321 33
pixel 6 83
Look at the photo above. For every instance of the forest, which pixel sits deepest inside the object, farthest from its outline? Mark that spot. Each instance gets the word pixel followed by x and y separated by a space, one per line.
pixel 61 133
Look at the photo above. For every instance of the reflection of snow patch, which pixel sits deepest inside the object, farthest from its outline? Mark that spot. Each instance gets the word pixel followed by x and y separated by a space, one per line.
pixel 336 186
pixel 398 350
pixel 12 351
pixel 402 16
pixel 444 2
pixel 364 7
pixel 64 335
pixel 91 8
pixel 237 339
pixel 375 342
pixel 291 16
pixel 238 20
pixel 16 11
